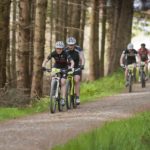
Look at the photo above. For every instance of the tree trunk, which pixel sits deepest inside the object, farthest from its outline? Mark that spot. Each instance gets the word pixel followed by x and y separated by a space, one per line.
pixel 65 8
pixel 4 38
pixel 123 37
pixel 75 19
pixel 94 42
pixel 23 45
pixel 13 47
pixel 58 20
pixel 39 41
pixel 82 23
pixel 32 24
pixel 103 17
pixel 113 14
pixel 51 25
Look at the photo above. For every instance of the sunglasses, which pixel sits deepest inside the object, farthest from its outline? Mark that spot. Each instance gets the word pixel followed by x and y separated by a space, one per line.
pixel 59 49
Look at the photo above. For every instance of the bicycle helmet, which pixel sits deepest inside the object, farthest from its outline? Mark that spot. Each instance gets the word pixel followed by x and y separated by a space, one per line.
pixel 142 45
pixel 130 46
pixel 71 41
pixel 59 44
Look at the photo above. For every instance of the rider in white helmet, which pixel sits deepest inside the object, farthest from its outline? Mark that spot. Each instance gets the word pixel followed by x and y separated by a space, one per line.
pixel 77 55
pixel 129 56
pixel 61 61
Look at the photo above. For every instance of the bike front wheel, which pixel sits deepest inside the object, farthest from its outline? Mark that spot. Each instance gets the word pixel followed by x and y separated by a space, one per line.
pixel 53 90
pixel 130 82
pixel 68 94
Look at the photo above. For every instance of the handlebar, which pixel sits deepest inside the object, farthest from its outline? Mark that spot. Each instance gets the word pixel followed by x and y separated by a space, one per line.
pixel 63 70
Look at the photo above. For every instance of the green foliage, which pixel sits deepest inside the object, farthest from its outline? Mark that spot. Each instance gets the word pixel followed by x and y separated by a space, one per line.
pixel 103 87
pixel 12 113
pixel 141 22
pixel 89 91
pixel 131 134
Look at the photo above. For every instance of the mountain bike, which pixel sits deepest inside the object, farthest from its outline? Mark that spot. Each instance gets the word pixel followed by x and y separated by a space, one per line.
pixel 142 74
pixel 55 89
pixel 131 76
pixel 70 90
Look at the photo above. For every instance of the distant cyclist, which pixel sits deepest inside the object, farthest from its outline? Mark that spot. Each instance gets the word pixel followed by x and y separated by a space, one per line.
pixel 61 58
pixel 129 56
pixel 77 55
pixel 144 57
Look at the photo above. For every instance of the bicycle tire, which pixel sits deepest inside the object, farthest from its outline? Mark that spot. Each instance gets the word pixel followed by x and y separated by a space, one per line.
pixel 68 94
pixel 52 96
pixel 73 102
pixel 130 83
pixel 143 79
pixel 60 107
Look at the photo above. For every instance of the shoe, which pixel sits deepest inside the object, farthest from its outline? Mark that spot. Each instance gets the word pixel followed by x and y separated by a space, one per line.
pixel 62 102
pixel 127 83
pixel 77 101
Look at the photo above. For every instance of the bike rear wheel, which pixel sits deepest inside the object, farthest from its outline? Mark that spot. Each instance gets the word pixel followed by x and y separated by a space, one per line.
pixel 130 83
pixel 60 107
pixel 68 94
pixel 52 105
pixel 73 101
pixel 142 79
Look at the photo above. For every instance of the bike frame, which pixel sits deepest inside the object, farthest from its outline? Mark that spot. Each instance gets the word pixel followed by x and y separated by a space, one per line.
pixel 71 78
pixel 57 79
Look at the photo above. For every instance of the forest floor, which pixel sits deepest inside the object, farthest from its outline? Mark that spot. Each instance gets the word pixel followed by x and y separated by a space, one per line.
pixel 43 131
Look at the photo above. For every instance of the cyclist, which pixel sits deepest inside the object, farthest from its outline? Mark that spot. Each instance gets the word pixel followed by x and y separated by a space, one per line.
pixel 61 58
pixel 78 56
pixel 129 56
pixel 144 55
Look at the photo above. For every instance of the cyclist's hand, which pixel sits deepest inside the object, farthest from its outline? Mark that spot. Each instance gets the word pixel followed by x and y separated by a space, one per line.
pixel 43 69
pixel 122 65
pixel 72 69
pixel 82 67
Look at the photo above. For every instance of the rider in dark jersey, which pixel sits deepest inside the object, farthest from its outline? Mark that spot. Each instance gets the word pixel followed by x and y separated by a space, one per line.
pixel 129 56
pixel 61 58
pixel 77 55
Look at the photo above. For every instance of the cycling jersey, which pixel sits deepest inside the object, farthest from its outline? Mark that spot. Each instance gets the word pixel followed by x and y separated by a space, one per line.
pixel 130 56
pixel 61 60
pixel 76 47
pixel 143 54
pixel 75 55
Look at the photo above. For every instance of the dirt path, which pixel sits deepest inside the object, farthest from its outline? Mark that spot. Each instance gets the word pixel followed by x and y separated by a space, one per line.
pixel 42 131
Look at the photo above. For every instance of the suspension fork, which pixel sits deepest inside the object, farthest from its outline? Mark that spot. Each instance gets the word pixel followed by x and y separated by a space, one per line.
pixel 72 85
pixel 57 87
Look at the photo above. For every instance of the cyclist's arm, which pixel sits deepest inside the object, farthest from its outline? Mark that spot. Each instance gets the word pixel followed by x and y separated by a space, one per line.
pixel 82 58
pixel 122 58
pixel 46 60
pixel 72 63
pixel 148 53
pixel 70 60
pixel 138 58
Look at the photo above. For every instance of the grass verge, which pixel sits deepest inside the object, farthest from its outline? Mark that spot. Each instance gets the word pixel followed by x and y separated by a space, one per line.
pixel 130 134
pixel 89 91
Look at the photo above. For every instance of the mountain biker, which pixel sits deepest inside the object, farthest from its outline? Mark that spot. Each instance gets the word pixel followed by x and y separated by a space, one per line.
pixel 144 57
pixel 78 56
pixel 61 58
pixel 129 56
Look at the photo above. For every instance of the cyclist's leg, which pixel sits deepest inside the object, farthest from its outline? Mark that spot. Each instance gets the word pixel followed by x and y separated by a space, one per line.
pixel 146 70
pixel 77 78
pixel 77 84
pixel 126 74
pixel 135 71
pixel 63 88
